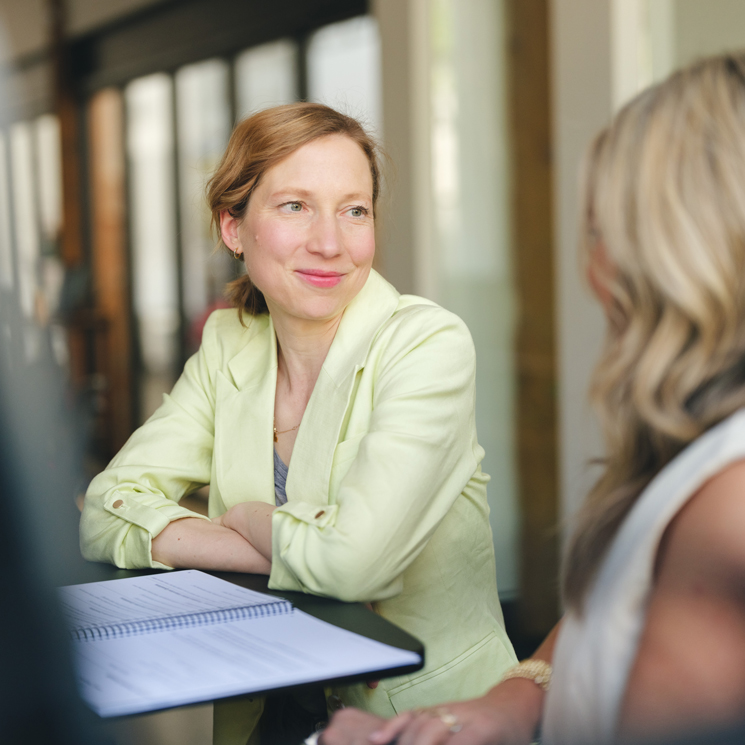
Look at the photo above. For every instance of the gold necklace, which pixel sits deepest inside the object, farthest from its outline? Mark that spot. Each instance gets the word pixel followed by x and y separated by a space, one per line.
pixel 283 432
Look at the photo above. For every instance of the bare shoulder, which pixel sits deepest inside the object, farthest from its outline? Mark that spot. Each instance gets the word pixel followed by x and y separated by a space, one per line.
pixel 705 539
pixel 689 669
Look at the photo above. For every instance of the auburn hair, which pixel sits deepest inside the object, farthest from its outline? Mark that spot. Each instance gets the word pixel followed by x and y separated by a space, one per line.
pixel 257 144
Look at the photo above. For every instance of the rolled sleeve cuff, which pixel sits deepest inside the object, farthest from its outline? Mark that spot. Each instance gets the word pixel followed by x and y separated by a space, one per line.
pixel 152 514
pixel 281 578
pixel 287 522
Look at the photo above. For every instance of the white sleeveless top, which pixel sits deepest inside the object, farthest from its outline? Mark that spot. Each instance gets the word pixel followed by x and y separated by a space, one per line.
pixel 594 653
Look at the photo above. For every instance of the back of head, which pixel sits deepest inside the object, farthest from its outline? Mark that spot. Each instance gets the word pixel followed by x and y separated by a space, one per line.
pixel 665 195
pixel 262 141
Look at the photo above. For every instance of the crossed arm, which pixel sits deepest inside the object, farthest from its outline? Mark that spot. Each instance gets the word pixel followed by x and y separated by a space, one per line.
pixel 238 541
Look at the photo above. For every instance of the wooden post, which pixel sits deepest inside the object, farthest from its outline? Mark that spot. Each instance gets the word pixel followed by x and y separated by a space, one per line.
pixel 532 209
pixel 66 106
pixel 81 327
pixel 110 263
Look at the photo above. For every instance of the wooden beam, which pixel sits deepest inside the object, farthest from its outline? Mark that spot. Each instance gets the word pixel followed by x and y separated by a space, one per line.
pixel 66 108
pixel 168 35
pixel 110 264
pixel 81 326
pixel 532 209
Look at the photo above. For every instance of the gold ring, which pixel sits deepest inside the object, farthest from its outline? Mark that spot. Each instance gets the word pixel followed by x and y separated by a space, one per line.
pixel 451 722
pixel 447 718
pixel 441 713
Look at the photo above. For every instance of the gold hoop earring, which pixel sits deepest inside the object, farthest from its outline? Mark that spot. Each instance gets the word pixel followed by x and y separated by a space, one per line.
pixel 236 255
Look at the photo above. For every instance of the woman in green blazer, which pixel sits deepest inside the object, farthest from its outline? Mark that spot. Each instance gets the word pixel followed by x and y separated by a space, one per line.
pixel 367 396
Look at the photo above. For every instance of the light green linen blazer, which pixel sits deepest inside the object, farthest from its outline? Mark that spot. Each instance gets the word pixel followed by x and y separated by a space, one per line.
pixel 386 497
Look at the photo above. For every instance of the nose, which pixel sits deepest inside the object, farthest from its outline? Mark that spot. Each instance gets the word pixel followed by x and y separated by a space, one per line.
pixel 325 237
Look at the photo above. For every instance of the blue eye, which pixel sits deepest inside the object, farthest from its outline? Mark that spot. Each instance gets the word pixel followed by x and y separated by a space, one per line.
pixel 358 211
pixel 296 207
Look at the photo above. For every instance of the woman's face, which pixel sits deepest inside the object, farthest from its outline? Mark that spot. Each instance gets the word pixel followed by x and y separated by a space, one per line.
pixel 308 236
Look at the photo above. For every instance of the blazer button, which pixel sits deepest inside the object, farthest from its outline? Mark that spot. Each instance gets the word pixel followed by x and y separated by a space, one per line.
pixel 320 513
pixel 118 504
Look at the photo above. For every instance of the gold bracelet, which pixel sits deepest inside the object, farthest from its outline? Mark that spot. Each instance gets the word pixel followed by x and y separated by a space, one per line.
pixel 536 670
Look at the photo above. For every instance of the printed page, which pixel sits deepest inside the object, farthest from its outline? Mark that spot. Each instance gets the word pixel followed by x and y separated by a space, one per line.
pixel 159 670
pixel 151 597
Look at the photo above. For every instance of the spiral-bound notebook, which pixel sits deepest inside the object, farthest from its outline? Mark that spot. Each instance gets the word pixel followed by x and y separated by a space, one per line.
pixel 163 640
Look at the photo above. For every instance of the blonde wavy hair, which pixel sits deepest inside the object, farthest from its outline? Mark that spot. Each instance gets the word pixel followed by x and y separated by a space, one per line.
pixel 664 196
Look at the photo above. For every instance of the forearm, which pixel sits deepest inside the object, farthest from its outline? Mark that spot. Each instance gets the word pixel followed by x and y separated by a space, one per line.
pixel 525 697
pixel 192 543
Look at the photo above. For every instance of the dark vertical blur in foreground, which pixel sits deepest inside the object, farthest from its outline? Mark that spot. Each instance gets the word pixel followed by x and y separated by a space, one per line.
pixel 39 458
pixel 38 539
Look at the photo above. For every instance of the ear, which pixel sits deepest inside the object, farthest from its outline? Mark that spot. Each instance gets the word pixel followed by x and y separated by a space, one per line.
pixel 229 232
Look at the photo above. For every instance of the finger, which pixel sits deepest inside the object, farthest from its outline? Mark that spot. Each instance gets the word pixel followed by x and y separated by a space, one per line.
pixel 391 729
pixel 433 732
pixel 471 735
pixel 373 684
pixel 349 727
pixel 487 732
pixel 413 733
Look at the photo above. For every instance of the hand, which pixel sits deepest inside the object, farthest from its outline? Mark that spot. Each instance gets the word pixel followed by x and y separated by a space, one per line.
pixel 252 521
pixel 506 715
pixel 237 518
pixel 350 727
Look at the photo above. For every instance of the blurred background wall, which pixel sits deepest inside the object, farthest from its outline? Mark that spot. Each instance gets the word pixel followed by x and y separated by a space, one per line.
pixel 122 109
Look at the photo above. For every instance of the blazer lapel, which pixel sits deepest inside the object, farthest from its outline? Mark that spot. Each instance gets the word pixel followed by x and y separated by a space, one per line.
pixel 244 411
pixel 312 457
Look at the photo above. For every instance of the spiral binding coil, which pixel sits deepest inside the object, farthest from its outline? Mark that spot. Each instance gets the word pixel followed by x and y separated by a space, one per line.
pixel 189 620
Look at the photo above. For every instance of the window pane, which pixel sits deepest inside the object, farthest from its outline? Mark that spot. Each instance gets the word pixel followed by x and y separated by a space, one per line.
pixel 48 196
pixel 266 76
pixel 6 238
pixel 344 69
pixel 154 261
pixel 25 218
pixel 49 176
pixel 203 117
pixel 471 247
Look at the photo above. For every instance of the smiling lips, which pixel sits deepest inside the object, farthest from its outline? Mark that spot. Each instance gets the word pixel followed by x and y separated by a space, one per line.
pixel 319 278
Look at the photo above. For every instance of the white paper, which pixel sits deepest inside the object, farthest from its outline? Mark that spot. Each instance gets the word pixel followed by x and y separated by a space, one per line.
pixel 153 596
pixel 153 671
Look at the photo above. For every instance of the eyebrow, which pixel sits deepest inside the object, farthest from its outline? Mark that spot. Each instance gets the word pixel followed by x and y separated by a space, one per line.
pixel 305 193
